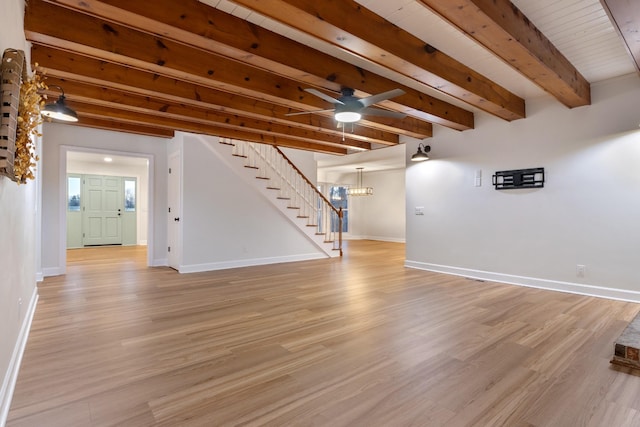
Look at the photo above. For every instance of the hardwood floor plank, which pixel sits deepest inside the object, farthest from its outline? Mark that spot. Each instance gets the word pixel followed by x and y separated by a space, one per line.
pixel 353 341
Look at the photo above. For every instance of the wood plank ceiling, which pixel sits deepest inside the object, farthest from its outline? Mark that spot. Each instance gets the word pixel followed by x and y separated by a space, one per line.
pixel 153 68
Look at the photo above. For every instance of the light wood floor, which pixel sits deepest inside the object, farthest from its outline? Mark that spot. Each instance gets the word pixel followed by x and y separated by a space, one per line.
pixel 358 341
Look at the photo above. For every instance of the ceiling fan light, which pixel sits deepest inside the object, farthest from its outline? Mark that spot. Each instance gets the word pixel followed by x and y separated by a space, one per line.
pixel 347 116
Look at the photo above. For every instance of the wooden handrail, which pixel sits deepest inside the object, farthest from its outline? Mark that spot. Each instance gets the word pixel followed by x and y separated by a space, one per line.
pixel 310 183
pixel 338 212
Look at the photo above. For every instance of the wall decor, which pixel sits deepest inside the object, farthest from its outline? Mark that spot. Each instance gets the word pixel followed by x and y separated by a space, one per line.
pixel 519 178
pixel 11 73
pixel 19 117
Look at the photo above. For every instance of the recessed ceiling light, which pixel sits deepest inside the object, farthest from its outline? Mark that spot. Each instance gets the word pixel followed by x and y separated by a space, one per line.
pixel 108 159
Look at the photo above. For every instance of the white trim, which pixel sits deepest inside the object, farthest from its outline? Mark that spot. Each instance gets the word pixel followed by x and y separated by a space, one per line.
pixel 52 271
pixel 39 276
pixel 142 243
pixel 196 268
pixel 378 238
pixel 11 376
pixel 62 220
pixel 160 262
pixel 532 282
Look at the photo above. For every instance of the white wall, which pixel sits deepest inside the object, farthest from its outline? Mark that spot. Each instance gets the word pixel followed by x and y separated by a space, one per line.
pixel 226 222
pixel 18 213
pixel 79 138
pixel 305 162
pixel 123 170
pixel 588 213
pixel 381 216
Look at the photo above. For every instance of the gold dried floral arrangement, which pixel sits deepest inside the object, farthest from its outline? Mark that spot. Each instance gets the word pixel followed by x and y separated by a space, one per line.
pixel 29 120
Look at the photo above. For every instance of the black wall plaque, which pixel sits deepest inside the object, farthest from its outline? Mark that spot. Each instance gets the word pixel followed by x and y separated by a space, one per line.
pixel 519 178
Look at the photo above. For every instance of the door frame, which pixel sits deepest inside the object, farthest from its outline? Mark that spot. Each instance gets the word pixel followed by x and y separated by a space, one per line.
pixel 62 217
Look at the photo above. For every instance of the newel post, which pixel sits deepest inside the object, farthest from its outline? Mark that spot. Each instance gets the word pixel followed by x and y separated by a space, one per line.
pixel 340 230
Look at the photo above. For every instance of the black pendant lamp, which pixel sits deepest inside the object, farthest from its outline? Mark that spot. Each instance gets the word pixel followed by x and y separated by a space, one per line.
pixel 58 110
pixel 421 155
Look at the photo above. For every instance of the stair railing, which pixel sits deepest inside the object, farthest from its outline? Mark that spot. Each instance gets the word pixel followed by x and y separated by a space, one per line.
pixel 292 185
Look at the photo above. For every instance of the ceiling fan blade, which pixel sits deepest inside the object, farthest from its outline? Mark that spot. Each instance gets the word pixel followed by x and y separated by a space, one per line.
pixel 323 96
pixel 382 113
pixel 374 99
pixel 308 112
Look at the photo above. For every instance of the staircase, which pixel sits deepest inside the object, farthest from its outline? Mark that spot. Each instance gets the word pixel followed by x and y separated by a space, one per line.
pixel 288 189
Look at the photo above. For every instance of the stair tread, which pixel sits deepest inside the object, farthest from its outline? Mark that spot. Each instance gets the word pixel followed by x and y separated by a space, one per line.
pixel 284 198
pixel 239 155
pixel 262 177
pixel 302 216
pixel 292 207
pixel 251 167
pixel 273 188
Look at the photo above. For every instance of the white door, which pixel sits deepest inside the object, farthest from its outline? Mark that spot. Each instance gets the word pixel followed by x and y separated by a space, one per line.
pixel 174 221
pixel 102 210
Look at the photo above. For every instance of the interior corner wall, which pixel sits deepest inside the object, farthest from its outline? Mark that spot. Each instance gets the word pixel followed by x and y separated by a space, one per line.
pixel 56 135
pixel 18 239
pixel 382 215
pixel 227 222
pixel 586 214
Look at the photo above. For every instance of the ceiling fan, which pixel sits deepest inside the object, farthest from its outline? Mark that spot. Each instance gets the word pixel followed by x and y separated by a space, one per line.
pixel 349 108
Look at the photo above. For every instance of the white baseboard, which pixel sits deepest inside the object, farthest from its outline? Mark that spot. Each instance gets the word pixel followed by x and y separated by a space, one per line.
pixel 532 282
pixel 196 268
pixel 379 238
pixel 161 262
pixel 142 243
pixel 39 276
pixel 11 376
pixel 52 271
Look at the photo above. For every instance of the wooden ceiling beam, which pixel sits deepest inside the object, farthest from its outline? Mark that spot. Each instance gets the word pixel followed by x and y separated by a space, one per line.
pixel 622 13
pixel 54 26
pixel 355 29
pixel 89 94
pixel 72 66
pixel 502 28
pixel 114 125
pixel 128 100
pixel 197 24
pixel 105 113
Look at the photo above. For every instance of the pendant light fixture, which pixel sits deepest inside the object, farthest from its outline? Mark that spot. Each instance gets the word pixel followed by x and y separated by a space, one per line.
pixel 421 155
pixel 360 190
pixel 59 110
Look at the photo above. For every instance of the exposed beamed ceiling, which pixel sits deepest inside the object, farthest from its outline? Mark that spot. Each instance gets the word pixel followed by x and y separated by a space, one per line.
pixel 236 69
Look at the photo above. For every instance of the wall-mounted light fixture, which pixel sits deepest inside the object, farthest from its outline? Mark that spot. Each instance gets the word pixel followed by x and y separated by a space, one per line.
pixel 360 190
pixel 59 110
pixel 421 155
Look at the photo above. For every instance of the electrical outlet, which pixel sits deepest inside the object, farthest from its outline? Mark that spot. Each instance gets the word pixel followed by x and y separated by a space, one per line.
pixel 581 270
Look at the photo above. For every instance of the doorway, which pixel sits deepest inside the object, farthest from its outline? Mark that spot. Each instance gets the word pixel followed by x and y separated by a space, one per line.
pixel 131 173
